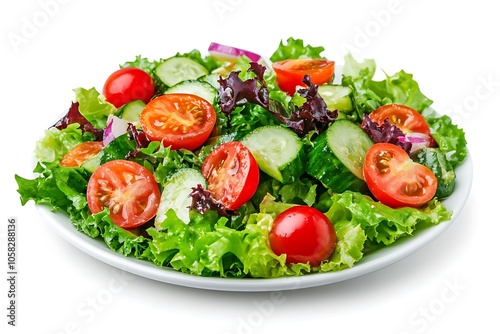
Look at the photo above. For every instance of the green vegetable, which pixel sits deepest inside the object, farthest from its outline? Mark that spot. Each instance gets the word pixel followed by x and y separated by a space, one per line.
pixel 450 138
pixel 55 143
pixel 295 49
pixel 435 160
pixel 338 156
pixel 93 106
pixel 369 94
pixel 337 97
pixel 177 69
pixel 196 87
pixel 131 111
pixel 175 194
pixel 279 152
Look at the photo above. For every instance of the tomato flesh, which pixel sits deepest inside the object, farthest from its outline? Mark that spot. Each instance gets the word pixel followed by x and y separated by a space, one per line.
pixel 128 84
pixel 128 189
pixel 304 234
pixel 405 118
pixel 178 120
pixel 396 180
pixel 232 174
pixel 81 153
pixel 291 72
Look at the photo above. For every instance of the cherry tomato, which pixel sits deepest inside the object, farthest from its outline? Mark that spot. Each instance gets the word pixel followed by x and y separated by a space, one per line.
pixel 128 84
pixel 128 189
pixel 405 118
pixel 290 72
pixel 232 174
pixel 395 180
pixel 178 120
pixel 304 234
pixel 81 153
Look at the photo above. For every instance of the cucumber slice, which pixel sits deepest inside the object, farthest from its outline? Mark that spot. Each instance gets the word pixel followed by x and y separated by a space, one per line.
pixel 131 112
pixel 177 69
pixel 212 79
pixel 175 194
pixel 93 163
pixel 338 155
pixel 201 88
pixel 336 97
pixel 279 152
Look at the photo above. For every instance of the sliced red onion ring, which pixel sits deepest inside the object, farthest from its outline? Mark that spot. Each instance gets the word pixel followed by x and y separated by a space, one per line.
pixel 115 127
pixel 418 140
pixel 230 53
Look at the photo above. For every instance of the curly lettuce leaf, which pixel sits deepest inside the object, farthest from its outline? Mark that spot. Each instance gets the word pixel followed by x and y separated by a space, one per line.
pixel 450 138
pixel 55 143
pixel 401 88
pixel 362 224
pixel 213 249
pixel 350 245
pixel 61 188
pixel 295 49
pixel 368 94
pixel 385 225
pixel 93 106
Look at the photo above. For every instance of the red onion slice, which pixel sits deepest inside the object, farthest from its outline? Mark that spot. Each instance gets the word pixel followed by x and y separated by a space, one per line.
pixel 418 140
pixel 230 53
pixel 115 127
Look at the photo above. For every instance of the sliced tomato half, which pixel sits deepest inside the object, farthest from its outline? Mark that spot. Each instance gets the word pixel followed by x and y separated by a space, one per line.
pixel 232 174
pixel 396 180
pixel 81 153
pixel 405 118
pixel 128 189
pixel 178 120
pixel 291 72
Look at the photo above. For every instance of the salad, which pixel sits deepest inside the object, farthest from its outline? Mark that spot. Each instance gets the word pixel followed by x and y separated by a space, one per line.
pixel 224 164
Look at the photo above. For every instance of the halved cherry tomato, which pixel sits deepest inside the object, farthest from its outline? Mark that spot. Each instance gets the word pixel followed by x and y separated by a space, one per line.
pixel 178 120
pixel 291 72
pixel 128 84
pixel 304 234
pixel 232 174
pixel 81 153
pixel 395 180
pixel 128 189
pixel 405 118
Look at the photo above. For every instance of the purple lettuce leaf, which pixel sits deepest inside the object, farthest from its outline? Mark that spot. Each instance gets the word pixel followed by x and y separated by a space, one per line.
pixel 203 201
pixel 74 116
pixel 384 133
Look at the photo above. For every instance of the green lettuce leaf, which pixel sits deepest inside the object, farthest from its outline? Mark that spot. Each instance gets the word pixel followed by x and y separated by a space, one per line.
pixel 93 106
pixel 350 244
pixel 450 138
pixel 214 249
pixel 368 94
pixel 61 188
pixel 55 143
pixel 295 49
pixel 116 238
pixel 362 224
pixel 384 225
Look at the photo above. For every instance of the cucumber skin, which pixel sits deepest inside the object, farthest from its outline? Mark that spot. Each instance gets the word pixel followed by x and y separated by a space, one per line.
pixel 295 168
pixel 324 166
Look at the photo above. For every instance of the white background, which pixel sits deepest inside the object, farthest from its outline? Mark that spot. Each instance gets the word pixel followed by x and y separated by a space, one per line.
pixel 49 47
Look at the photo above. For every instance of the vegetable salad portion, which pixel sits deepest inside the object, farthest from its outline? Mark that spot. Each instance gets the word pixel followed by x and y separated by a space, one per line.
pixel 225 165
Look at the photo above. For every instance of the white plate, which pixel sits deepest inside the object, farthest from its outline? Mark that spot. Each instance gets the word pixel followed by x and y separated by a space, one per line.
pixel 369 263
